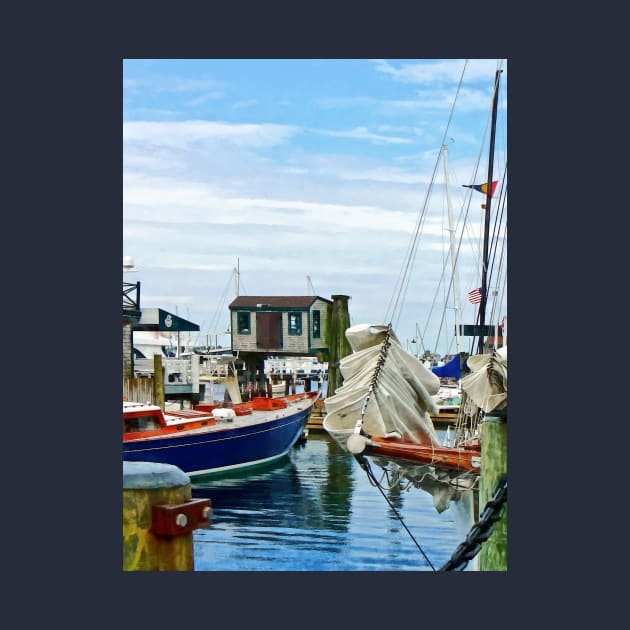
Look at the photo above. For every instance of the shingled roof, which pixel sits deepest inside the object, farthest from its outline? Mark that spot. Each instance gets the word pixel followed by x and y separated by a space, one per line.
pixel 275 301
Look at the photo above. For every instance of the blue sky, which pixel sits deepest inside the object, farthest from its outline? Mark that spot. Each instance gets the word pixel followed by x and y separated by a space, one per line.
pixel 308 169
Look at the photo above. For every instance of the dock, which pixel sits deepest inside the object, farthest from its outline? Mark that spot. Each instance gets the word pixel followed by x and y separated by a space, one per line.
pixel 447 416
pixel 316 419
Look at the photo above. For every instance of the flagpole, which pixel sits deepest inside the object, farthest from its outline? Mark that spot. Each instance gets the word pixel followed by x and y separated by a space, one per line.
pixel 486 231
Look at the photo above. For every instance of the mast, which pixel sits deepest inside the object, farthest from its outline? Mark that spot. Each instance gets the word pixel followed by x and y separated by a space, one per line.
pixel 486 230
pixel 309 286
pixel 452 248
pixel 237 275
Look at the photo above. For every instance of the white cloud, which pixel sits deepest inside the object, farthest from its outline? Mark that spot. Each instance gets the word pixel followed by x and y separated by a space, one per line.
pixel 164 84
pixel 159 160
pixel 362 133
pixel 245 104
pixel 180 201
pixel 204 98
pixel 186 133
pixel 443 70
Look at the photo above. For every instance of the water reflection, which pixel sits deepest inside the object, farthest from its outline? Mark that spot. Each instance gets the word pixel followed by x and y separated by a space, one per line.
pixel 315 510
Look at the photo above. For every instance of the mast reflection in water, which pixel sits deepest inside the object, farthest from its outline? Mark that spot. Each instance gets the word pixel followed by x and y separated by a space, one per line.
pixel 315 510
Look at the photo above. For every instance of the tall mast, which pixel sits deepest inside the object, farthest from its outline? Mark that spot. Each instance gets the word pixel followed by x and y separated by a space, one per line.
pixel 486 230
pixel 309 286
pixel 237 275
pixel 452 248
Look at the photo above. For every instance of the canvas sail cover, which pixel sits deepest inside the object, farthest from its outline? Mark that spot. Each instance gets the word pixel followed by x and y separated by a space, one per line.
pixel 486 384
pixel 400 404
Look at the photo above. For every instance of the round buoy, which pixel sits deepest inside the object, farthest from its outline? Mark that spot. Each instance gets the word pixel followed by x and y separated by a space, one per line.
pixel 356 443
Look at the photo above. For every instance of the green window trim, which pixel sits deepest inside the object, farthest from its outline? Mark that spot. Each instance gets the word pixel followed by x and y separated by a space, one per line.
pixel 295 322
pixel 316 325
pixel 243 323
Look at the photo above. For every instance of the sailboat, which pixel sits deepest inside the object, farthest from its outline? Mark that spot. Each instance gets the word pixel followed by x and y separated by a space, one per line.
pixel 448 398
pixel 384 410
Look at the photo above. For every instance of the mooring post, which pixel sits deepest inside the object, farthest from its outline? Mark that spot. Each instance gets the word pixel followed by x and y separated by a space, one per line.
pixel 493 438
pixel 338 346
pixel 159 517
pixel 158 381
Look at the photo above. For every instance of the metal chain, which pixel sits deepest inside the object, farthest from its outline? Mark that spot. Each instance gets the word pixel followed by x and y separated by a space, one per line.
pixel 480 531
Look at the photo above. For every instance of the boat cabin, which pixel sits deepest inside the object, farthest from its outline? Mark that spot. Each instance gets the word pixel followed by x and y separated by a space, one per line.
pixel 287 325
pixel 139 418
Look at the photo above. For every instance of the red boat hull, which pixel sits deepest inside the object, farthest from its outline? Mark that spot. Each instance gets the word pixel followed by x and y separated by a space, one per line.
pixel 462 458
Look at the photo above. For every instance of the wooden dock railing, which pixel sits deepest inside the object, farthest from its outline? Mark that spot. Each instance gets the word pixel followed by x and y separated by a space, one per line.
pixel 138 389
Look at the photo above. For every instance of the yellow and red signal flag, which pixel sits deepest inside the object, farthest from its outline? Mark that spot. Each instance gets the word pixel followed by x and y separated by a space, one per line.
pixel 483 188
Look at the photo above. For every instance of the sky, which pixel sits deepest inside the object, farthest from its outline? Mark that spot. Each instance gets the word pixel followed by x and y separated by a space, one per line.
pixel 313 177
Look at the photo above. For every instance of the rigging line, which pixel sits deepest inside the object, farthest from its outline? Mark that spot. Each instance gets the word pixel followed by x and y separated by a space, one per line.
pixel 413 246
pixel 477 252
pixel 501 254
pixel 463 219
pixel 440 286
pixel 219 311
pixel 366 466
pixel 214 322
pixel 495 237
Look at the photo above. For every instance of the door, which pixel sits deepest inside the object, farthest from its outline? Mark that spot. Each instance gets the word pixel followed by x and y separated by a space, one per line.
pixel 269 331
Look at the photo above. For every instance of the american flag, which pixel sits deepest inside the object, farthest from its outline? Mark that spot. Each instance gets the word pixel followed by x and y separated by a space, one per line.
pixel 474 296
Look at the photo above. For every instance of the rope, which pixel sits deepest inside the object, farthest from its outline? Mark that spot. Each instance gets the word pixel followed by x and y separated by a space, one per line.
pixel 400 289
pixel 366 466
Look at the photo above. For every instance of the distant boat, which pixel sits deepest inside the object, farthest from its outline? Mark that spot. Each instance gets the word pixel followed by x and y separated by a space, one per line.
pixel 216 437
pixel 449 397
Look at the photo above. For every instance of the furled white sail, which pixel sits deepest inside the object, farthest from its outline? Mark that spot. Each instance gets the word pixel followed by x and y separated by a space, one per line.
pixel 400 404
pixel 486 384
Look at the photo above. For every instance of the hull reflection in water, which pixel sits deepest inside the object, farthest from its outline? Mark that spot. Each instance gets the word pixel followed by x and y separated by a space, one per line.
pixel 315 510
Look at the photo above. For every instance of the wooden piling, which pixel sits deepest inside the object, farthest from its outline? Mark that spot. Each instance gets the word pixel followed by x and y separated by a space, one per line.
pixel 338 346
pixel 493 437
pixel 146 485
pixel 158 381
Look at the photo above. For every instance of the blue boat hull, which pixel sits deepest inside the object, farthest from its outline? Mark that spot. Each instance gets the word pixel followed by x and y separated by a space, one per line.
pixel 221 450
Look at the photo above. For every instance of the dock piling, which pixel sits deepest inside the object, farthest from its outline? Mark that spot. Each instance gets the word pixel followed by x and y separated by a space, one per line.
pixel 159 516
pixel 493 437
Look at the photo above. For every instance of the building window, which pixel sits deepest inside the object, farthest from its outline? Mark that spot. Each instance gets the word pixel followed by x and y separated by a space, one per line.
pixel 295 323
pixel 316 329
pixel 243 326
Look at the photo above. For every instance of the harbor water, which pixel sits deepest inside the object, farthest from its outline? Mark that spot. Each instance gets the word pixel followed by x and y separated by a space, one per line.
pixel 316 510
